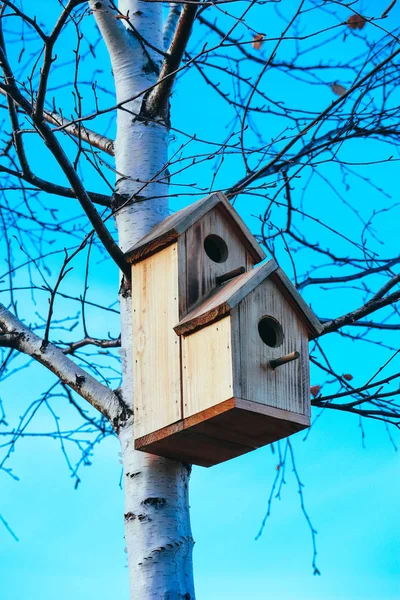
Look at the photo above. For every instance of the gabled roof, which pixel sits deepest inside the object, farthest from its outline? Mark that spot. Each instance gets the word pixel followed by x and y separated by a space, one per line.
pixel 230 294
pixel 168 231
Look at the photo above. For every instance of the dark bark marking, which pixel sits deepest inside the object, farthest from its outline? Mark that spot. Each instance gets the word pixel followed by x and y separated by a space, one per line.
pixel 156 503
pixel 120 201
pixel 125 290
pixel 130 516
pixel 43 346
pixel 80 380
pixel 132 475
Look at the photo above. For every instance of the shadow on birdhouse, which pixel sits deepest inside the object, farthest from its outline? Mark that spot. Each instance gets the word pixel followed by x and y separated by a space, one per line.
pixel 220 351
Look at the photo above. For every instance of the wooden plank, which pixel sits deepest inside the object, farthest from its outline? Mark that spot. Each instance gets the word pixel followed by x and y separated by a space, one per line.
pixel 156 347
pixel 175 225
pixel 209 413
pixel 202 319
pixel 243 231
pixel 194 447
pixel 283 416
pixel 189 422
pixel 222 432
pixel 207 367
pixel 182 276
pixel 202 272
pixel 284 386
pixel 227 432
pixel 302 308
pixel 186 441
pixel 224 298
pixel 305 376
pixel 236 352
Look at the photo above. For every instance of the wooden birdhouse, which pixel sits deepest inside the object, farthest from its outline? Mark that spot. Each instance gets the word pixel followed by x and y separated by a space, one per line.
pixel 220 346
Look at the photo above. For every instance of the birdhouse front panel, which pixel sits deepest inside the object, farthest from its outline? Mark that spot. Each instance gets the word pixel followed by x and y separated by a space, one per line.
pixel 207 375
pixel 213 246
pixel 156 347
pixel 269 328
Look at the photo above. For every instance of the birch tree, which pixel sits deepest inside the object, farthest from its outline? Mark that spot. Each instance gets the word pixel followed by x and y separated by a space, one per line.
pixel 305 92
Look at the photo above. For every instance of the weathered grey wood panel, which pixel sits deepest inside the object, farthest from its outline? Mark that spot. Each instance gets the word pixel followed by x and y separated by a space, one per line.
pixel 201 271
pixel 287 386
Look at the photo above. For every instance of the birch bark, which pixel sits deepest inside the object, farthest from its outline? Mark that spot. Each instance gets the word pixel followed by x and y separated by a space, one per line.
pixel 157 524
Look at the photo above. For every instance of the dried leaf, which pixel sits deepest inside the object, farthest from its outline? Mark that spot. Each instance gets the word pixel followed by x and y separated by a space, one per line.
pixel 315 390
pixel 347 376
pixel 338 89
pixel 124 17
pixel 356 22
pixel 258 41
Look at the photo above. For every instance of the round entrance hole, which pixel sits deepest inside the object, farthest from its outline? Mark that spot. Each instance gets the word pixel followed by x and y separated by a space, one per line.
pixel 216 248
pixel 270 331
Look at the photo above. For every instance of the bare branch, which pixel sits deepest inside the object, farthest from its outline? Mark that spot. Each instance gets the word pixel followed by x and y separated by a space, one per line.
pixel 15 334
pixel 157 99
pixel 52 143
pixel 48 57
pixel 388 9
pixel 246 181
pixel 94 139
pixel 86 135
pixel 90 341
pixel 385 288
pixel 359 313
pixel 369 325
pixel 55 188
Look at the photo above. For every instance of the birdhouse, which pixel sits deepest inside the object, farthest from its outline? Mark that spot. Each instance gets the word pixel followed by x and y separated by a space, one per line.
pixel 220 350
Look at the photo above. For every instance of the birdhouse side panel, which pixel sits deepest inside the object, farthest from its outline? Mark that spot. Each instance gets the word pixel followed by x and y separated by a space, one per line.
pixel 268 328
pixel 207 367
pixel 156 347
pixel 213 248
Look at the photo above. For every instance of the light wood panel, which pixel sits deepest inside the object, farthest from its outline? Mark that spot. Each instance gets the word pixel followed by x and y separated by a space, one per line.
pixel 207 367
pixel 156 347
pixel 285 387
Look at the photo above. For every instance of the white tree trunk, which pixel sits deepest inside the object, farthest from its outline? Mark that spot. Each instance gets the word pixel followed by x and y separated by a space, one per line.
pixel 157 524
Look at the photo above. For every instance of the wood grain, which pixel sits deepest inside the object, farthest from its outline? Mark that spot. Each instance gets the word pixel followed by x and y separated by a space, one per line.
pixel 156 347
pixel 207 367
pixel 222 432
pixel 283 387
pixel 201 271
pixel 303 310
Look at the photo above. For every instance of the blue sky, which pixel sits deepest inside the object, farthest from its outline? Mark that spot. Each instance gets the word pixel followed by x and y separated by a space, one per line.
pixel 71 541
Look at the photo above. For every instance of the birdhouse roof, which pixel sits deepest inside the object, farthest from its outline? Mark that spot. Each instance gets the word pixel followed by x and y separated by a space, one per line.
pixel 230 294
pixel 168 231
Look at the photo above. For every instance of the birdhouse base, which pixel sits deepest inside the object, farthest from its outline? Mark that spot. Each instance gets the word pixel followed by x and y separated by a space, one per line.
pixel 227 430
